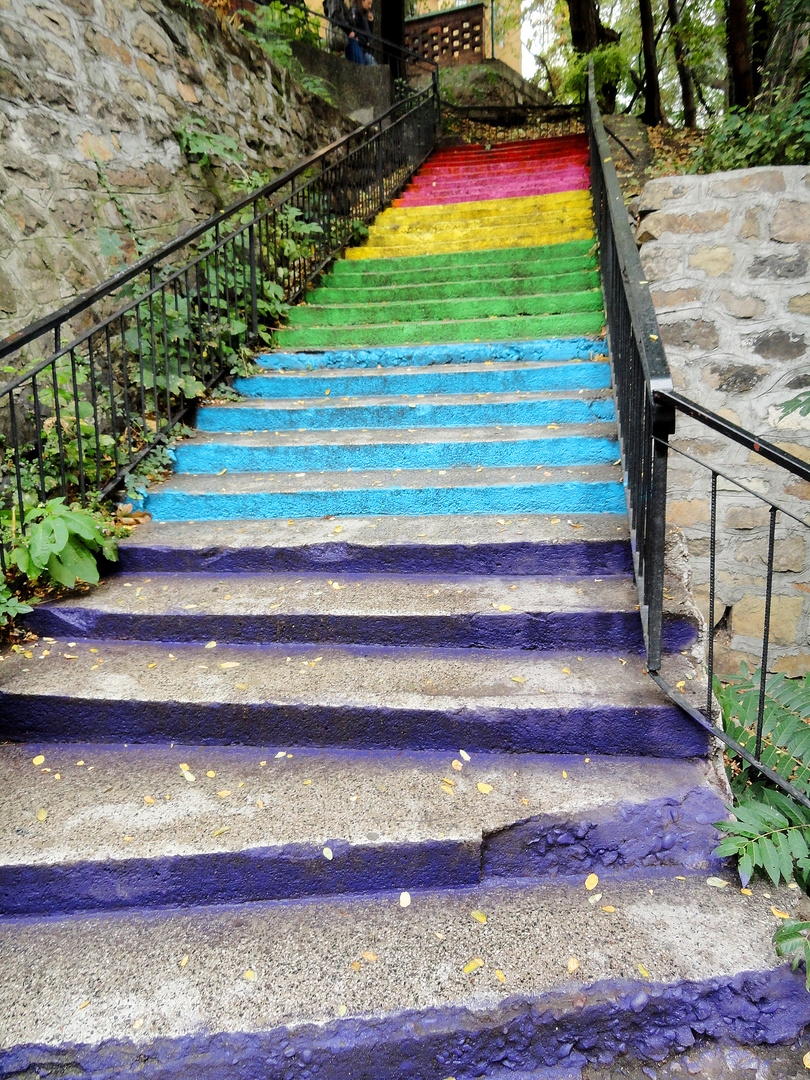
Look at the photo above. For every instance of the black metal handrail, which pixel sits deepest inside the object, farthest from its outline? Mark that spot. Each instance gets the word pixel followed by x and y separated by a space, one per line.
pixel 646 408
pixel 116 390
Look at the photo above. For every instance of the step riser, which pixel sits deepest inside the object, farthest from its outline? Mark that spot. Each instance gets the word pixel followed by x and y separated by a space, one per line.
pixel 316 314
pixel 570 350
pixel 541 1037
pixel 389 243
pixel 590 631
pixel 438 290
pixel 215 418
pixel 573 255
pixel 580 376
pixel 574 498
pixel 600 559
pixel 668 832
pixel 528 327
pixel 356 274
pixel 448 194
pixel 588 728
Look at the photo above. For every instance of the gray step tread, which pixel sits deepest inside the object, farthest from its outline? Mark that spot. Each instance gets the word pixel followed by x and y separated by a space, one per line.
pixel 120 977
pixel 329 675
pixel 307 797
pixel 382 478
pixel 438 530
pixel 265 360
pixel 399 437
pixel 339 594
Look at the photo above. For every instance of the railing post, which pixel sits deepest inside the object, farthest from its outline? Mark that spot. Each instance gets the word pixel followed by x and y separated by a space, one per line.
pixel 380 171
pixel 655 538
pixel 254 313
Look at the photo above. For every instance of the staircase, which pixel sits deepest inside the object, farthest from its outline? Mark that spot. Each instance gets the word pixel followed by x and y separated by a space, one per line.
pixel 353 768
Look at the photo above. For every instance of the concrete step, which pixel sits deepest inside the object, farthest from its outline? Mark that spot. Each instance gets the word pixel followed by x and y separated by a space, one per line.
pixel 237 824
pixel 463 611
pixel 363 987
pixel 594 489
pixel 345 696
pixel 385 449
pixel 371 311
pixel 500 262
pixel 486 328
pixel 532 545
pixel 576 225
pixel 403 411
pixel 549 377
pixel 491 354
pixel 484 215
pixel 570 281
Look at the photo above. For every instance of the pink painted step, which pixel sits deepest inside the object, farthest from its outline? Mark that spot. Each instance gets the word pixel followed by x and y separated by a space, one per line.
pixel 453 193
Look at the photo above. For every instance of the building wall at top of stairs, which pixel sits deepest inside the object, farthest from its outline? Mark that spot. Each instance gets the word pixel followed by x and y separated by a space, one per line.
pixel 95 80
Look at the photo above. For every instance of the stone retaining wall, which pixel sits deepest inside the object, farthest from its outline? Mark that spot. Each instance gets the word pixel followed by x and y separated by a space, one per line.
pixel 114 81
pixel 726 257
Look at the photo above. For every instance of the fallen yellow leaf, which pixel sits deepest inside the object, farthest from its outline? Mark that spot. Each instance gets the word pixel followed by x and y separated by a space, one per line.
pixel 518 678
pixel 566 671
pixel 230 664
pixel 716 882
pixel 464 755
pixel 327 854
pixel 342 1010
pixel 746 892
pixel 780 914
pixel 370 956
pixel 41 815
pixel 473 965
pixel 221 830
pixel 224 793
pixel 184 961
pixel 447 789
pixel 447 780
pixel 38 759
pixel 573 964
pixel 806 1060
pixel 504 607
pixel 484 788
pixel 84 1004
pixel 153 664
pixel 260 804
pixel 338 528
pixel 306 783
pixel 149 800
pixel 499 975
pixel 457 765
pixel 211 773
pixel 250 975
pixel 211 645
pixel 591 881
pixel 355 965
pixel 565 774
pixel 644 971
pixel 608 907
pixel 479 916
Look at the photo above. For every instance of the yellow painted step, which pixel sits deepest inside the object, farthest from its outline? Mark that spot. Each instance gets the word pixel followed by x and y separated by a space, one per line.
pixel 485 208
pixel 489 240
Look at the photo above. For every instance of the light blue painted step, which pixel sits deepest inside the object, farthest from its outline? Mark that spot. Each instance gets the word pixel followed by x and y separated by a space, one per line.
pixel 586 375
pixel 402 414
pixel 212 457
pixel 574 348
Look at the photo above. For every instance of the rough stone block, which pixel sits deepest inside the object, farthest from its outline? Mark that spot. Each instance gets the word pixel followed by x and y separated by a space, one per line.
pixel 742 307
pixel 57 95
pixel 58 61
pixel 147 71
pixel 128 178
pixel 676 297
pixel 800 305
pixel 159 176
pixel 787 267
pixel 76 213
pixel 734 378
pixel 686 512
pixel 103 45
pixel 701 594
pixel 8 294
pixel 135 89
pixel 747 517
pixel 750 228
pixel 778 345
pixel 702 221
pixel 767 180
pixel 799 450
pixel 16 44
pixel 690 334
pixel 791 223
pixel 149 40
pixel 46 18
pixel 799 489
pixel 714 260
pixel 748 618
pixel 95 146
pixel 656 192
pixel 85 8
pixel 795 665
pixel 788 555
pixel 187 92
pixel 28 218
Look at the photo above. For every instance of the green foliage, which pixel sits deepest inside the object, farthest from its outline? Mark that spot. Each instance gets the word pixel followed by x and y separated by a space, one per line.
pixel 274 27
pixel 791 940
pixel 60 542
pixel 772 830
pixel 610 68
pixel 10 605
pixel 800 404
pixel 198 142
pixel 769 133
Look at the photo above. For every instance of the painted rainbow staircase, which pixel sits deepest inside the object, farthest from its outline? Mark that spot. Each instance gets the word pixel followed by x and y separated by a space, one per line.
pixel 353 769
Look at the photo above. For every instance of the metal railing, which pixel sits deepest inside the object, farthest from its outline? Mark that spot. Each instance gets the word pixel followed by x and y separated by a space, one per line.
pixel 171 325
pixel 646 408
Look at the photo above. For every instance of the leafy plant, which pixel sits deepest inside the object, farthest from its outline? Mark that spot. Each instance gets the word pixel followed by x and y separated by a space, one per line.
pixel 772 830
pixel 274 27
pixel 772 132
pixel 61 542
pixel 10 605
pixel 791 939
pixel 197 141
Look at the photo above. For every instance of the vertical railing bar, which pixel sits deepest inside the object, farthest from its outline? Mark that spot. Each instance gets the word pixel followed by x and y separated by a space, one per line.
pixel 113 412
pixel 712 578
pixel 763 675
pixel 76 413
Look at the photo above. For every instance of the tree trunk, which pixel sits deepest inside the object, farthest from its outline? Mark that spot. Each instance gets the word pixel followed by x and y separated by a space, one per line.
pixel 761 35
pixel 684 74
pixel 652 95
pixel 740 80
pixel 586 30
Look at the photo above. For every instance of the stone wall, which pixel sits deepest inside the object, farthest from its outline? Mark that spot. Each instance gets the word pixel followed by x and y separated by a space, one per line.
pixel 726 257
pixel 92 94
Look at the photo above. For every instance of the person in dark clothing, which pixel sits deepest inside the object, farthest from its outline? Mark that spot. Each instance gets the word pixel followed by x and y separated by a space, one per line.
pixel 358 49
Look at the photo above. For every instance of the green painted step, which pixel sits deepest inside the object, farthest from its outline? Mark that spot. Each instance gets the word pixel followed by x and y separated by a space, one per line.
pixel 439 310
pixel 462 288
pixel 515 328
pixel 571 252
pixel 468 271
